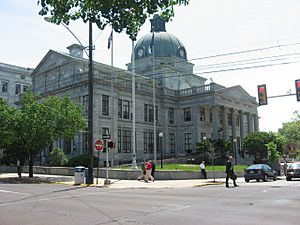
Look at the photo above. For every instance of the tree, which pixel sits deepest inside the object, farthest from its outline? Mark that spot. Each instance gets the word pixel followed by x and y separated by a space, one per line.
pixel 126 14
pixel 38 124
pixel 291 132
pixel 258 144
pixel 6 114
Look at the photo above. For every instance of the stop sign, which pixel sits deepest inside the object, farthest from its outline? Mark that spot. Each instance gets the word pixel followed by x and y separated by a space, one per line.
pixel 99 145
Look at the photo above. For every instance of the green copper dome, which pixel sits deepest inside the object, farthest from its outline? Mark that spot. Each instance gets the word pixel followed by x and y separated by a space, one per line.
pixel 164 43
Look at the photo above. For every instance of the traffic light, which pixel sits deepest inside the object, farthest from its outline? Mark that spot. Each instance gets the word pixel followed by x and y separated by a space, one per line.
pixel 297 85
pixel 262 94
pixel 111 144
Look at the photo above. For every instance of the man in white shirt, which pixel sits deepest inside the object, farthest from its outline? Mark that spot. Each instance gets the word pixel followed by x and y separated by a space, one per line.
pixel 202 167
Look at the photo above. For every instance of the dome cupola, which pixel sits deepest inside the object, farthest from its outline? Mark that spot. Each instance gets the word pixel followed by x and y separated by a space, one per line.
pixel 164 43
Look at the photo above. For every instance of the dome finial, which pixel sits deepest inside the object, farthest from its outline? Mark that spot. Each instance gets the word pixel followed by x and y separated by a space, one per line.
pixel 158 24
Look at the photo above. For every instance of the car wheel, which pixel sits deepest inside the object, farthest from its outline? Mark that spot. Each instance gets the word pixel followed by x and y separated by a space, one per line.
pixel 275 177
pixel 265 178
pixel 247 180
pixel 257 180
pixel 288 178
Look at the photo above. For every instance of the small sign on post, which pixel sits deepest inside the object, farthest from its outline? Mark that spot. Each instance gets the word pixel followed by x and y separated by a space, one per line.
pixel 105 136
pixel 99 145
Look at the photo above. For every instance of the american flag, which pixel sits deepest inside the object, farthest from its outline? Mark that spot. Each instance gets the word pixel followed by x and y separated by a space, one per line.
pixel 110 39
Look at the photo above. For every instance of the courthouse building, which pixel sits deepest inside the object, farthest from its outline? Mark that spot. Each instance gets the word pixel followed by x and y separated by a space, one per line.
pixel 187 109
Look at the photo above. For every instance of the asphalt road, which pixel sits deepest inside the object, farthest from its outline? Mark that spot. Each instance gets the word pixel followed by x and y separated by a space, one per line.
pixel 263 203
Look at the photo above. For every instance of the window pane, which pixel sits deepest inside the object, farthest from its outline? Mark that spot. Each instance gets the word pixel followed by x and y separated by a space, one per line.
pixel 105 105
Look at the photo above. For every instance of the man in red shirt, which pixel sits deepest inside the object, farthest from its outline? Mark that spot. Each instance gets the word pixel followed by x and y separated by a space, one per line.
pixel 148 171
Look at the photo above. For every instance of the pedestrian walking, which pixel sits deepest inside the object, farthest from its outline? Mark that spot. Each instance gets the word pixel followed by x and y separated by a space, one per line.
pixel 153 169
pixel 19 168
pixel 148 171
pixel 143 171
pixel 230 172
pixel 203 172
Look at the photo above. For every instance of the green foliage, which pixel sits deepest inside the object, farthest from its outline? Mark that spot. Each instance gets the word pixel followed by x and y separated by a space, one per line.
pixel 291 132
pixel 35 125
pixel 258 144
pixel 126 14
pixel 209 148
pixel 81 160
pixel 58 157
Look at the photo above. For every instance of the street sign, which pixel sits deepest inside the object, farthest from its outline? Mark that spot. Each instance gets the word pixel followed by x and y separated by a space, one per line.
pixel 105 136
pixel 99 145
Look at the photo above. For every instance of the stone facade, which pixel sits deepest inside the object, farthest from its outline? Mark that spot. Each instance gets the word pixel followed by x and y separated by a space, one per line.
pixel 14 81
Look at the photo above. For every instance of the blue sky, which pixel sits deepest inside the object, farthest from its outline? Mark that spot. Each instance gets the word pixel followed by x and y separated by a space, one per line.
pixel 205 27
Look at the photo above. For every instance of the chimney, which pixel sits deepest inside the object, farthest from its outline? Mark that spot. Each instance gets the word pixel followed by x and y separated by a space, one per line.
pixel 76 50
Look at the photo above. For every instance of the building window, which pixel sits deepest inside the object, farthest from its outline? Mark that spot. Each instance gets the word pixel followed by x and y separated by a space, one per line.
pixel 202 114
pixel 229 118
pixel 25 87
pixel 67 146
pixel 125 109
pixel 145 142
pixel 237 120
pixel 105 105
pixel 187 114
pixel 126 141
pixel 171 115
pixel 119 141
pixel 4 86
pixel 150 142
pixel 18 89
pixel 148 113
pixel 105 130
pixel 85 104
pixel 188 142
pixel 119 108
pixel 172 143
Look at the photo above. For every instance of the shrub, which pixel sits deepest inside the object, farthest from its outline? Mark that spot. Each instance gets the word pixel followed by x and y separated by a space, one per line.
pixel 58 157
pixel 81 160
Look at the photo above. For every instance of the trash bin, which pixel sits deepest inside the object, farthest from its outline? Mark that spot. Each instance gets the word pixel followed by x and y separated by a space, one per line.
pixel 79 174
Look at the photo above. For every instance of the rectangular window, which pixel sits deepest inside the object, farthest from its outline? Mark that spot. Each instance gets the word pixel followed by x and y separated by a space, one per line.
pixel 18 89
pixel 105 105
pixel 171 115
pixel 85 104
pixel 105 130
pixel 4 86
pixel 119 141
pixel 202 114
pixel 119 108
pixel 172 143
pixel 188 142
pixel 150 142
pixel 145 112
pixel 25 87
pixel 125 109
pixel 229 118
pixel 145 142
pixel 148 113
pixel 187 114
pixel 126 141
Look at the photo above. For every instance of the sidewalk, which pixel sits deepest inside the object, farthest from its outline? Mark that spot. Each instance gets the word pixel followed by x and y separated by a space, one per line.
pixel 127 184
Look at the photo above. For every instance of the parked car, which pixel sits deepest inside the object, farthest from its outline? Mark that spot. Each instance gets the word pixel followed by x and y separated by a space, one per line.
pixel 259 172
pixel 293 171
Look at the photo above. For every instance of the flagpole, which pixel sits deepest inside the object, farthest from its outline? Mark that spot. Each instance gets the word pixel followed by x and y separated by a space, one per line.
pixel 112 95
pixel 134 166
pixel 154 100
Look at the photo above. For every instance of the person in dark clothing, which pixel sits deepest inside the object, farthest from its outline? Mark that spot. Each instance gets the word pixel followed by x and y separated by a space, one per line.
pixel 153 169
pixel 143 171
pixel 230 173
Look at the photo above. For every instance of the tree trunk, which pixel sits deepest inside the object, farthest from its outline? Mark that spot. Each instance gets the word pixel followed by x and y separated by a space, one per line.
pixel 31 161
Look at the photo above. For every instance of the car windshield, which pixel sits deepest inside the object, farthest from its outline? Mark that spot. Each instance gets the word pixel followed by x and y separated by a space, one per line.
pixel 255 167
pixel 294 166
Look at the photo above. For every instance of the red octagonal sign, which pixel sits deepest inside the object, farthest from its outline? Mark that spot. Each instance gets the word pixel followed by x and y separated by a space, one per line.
pixel 99 145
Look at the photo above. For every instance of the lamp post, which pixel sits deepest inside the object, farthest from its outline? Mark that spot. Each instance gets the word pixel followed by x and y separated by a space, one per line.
pixel 235 150
pixel 90 174
pixel 161 134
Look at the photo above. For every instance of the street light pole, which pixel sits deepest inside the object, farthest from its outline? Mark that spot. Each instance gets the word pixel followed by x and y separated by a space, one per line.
pixel 161 134
pixel 235 150
pixel 90 175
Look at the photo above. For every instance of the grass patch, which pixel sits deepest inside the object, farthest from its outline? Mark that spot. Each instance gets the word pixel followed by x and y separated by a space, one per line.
pixel 192 167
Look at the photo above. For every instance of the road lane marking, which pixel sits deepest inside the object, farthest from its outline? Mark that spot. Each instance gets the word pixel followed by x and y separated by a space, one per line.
pixel 14 192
